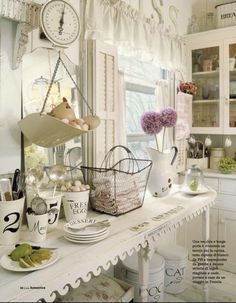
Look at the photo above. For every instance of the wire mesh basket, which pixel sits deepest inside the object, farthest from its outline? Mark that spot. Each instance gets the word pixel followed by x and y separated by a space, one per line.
pixel 119 188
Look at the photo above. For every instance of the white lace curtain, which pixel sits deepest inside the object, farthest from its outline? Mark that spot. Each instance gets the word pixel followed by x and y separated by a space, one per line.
pixel 133 33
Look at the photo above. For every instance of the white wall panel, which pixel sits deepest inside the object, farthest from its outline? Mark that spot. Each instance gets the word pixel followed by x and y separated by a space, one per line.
pixel 10 101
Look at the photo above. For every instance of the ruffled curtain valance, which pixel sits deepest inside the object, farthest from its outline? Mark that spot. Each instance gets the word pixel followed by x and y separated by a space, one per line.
pixel 134 34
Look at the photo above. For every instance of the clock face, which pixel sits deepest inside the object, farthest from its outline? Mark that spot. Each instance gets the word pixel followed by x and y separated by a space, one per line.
pixel 60 22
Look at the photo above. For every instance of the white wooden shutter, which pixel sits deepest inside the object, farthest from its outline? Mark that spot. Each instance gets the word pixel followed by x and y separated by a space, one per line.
pixel 104 97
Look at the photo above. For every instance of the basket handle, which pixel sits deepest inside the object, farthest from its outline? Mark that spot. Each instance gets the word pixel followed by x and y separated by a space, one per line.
pixel 107 160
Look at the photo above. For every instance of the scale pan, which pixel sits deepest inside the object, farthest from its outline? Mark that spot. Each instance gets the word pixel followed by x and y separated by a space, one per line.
pixel 47 131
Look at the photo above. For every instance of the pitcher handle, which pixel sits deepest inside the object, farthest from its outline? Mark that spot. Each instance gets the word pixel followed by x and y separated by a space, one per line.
pixel 175 154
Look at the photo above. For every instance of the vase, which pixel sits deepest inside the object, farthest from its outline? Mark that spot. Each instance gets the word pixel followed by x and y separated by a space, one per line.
pixel 162 172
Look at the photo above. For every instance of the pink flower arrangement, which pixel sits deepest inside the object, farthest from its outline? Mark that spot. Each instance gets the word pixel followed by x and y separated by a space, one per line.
pixel 188 88
pixel 153 122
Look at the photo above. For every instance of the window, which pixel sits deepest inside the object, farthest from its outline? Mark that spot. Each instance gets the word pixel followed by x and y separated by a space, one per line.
pixel 140 83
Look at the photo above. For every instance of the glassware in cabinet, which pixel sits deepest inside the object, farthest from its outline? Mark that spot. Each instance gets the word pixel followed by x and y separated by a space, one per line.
pixel 205 74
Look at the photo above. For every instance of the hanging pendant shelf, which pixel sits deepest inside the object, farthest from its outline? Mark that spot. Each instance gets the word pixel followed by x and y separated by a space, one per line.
pixel 46 130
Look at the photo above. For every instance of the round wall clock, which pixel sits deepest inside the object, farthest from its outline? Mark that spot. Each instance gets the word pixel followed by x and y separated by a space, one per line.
pixel 60 22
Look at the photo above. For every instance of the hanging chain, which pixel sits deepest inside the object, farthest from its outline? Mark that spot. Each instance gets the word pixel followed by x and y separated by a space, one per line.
pixel 51 83
pixel 59 60
pixel 78 89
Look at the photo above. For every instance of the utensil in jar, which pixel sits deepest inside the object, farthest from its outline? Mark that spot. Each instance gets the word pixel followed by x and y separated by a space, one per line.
pixel 57 174
pixel 16 180
pixel 5 189
pixel 38 205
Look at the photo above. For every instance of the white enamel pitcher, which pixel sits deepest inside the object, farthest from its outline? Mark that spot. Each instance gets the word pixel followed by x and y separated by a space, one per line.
pixel 162 172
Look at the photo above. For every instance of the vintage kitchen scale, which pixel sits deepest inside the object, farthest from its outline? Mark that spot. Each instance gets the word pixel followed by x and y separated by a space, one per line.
pixel 61 25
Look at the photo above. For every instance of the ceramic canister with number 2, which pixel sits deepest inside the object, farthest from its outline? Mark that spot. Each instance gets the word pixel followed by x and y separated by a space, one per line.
pixel 11 213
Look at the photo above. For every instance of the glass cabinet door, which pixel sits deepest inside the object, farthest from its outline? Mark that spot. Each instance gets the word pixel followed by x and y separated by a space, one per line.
pixel 232 86
pixel 205 75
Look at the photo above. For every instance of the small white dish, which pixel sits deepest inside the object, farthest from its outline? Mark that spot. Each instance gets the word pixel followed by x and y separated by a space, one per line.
pixel 194 192
pixel 7 263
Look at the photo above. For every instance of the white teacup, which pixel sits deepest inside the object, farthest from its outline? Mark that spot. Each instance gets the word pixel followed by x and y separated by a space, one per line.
pixel 53 203
pixel 38 225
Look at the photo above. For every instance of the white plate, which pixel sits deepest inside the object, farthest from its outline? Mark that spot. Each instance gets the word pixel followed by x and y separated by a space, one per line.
pixel 87 239
pixel 192 192
pixel 92 240
pixel 87 231
pixel 8 264
pixel 85 236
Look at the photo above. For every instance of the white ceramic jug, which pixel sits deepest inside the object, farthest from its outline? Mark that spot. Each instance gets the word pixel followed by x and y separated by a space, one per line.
pixel 162 172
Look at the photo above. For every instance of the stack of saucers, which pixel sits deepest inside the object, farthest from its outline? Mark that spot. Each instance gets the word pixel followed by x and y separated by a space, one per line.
pixel 86 233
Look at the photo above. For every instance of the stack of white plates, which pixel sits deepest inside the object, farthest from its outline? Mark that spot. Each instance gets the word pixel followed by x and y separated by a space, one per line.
pixel 86 233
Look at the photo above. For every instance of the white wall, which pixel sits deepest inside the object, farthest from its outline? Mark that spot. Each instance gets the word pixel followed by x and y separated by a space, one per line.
pixel 10 101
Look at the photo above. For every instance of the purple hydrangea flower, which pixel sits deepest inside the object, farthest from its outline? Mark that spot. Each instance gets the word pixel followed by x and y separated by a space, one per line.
pixel 151 123
pixel 168 117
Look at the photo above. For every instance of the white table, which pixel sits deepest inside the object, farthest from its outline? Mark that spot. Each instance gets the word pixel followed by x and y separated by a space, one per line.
pixel 78 261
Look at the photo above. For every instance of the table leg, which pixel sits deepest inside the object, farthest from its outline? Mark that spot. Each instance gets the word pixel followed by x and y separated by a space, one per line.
pixel 143 266
pixel 206 235
pixel 206 224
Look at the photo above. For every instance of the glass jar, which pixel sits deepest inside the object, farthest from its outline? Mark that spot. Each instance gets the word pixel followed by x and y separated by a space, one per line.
pixel 193 26
pixel 210 21
pixel 194 180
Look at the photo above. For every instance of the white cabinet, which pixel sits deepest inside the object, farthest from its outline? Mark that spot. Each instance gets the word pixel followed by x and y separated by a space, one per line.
pixel 211 65
pixel 227 232
pixel 222 220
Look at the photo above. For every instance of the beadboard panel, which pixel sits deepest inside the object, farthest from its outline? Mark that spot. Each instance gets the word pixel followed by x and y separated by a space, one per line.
pixel 104 75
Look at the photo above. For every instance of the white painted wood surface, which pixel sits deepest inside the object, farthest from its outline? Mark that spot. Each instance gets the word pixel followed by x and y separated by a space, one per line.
pixel 79 261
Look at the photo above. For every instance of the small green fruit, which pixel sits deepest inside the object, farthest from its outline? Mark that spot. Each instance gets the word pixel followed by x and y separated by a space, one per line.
pixel 21 251
pixel 28 260
pixel 193 185
pixel 23 263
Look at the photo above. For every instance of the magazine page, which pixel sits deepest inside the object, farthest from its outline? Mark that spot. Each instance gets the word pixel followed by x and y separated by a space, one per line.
pixel 117 151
